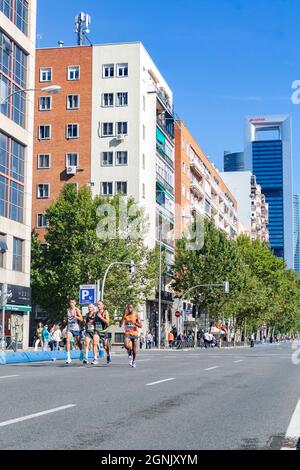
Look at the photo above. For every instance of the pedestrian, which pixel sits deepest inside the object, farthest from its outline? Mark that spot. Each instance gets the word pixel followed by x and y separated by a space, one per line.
pixel 38 337
pixel 142 340
pixel 149 341
pixel 171 339
pixel 252 338
pixel 46 337
pixel 56 337
pixel 207 339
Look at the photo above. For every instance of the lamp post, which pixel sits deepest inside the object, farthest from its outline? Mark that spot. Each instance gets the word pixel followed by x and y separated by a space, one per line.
pixel 51 90
pixel 159 290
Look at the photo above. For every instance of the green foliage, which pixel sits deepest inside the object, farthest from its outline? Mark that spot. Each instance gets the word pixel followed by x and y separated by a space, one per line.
pixel 73 253
pixel 262 291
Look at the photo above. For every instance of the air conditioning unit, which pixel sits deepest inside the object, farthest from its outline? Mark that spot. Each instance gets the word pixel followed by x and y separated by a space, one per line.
pixel 120 137
pixel 71 170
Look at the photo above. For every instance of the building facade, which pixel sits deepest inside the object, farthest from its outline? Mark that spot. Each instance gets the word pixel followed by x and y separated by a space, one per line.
pixel 234 161
pixel 112 128
pixel 200 187
pixel 253 211
pixel 17 69
pixel 268 157
pixel 296 208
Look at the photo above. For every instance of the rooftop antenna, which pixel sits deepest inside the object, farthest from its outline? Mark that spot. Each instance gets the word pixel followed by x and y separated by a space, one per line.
pixel 82 23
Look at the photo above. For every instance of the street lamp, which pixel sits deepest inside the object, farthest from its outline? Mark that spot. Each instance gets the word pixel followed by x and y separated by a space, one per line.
pixel 51 90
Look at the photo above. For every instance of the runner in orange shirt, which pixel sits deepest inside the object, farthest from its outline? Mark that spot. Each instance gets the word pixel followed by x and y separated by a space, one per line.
pixel 132 323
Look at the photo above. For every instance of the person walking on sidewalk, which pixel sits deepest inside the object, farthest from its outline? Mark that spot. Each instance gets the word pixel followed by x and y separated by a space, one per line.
pixel 46 338
pixel 38 337
pixel 56 337
pixel 149 341
pixel 142 340
pixel 252 338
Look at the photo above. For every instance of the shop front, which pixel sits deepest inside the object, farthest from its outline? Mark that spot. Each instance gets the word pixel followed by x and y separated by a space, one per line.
pixel 17 316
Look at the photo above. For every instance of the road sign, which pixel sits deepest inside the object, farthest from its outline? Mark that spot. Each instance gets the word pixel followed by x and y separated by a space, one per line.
pixel 87 294
pixel 178 314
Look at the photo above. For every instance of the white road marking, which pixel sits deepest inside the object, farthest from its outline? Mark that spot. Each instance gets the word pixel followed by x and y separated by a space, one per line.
pixel 293 432
pixel 9 376
pixel 159 382
pixel 240 360
pixel 35 415
pixel 213 368
pixel 294 427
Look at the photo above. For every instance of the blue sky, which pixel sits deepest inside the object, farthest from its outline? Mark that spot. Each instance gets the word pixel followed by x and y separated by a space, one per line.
pixel 224 59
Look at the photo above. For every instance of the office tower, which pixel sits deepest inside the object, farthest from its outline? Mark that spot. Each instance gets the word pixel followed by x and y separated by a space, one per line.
pixel 296 208
pixel 17 64
pixel 234 161
pixel 268 157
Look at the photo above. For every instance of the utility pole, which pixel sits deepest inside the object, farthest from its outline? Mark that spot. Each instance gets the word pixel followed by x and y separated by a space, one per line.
pixel 159 290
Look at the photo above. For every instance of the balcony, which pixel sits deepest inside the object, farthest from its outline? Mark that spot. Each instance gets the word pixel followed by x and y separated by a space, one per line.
pixel 165 213
pixel 160 149
pixel 165 183
pixel 166 128
pixel 197 168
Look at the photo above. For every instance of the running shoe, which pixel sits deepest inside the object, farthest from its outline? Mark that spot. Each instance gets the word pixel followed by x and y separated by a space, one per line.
pixel 108 359
pixel 85 361
pixel 130 362
pixel 133 364
pixel 129 354
pixel 82 356
pixel 95 362
pixel 68 361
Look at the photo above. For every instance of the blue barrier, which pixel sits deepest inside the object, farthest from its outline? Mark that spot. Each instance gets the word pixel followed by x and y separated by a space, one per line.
pixel 28 357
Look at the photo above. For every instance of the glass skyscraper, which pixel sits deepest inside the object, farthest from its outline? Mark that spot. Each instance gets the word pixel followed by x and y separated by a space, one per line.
pixel 268 156
pixel 234 161
pixel 296 207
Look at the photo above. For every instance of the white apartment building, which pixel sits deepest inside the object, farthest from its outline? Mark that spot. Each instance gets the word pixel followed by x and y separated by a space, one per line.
pixel 17 70
pixel 253 211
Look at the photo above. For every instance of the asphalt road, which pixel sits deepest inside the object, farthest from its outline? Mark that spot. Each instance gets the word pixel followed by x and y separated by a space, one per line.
pixel 175 400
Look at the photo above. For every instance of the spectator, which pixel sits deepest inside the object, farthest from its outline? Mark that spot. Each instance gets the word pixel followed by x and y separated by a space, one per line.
pixel 56 336
pixel 46 337
pixel 149 341
pixel 171 339
pixel 207 339
pixel 38 337
pixel 142 340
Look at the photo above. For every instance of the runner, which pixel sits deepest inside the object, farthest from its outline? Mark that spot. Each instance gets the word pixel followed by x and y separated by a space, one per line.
pixel 101 326
pixel 89 331
pixel 132 322
pixel 73 328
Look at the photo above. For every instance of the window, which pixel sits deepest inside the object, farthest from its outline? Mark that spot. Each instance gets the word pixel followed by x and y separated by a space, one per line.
pixel 72 131
pixel 122 158
pixel 121 187
pixel 17 254
pixel 6 7
pixel 107 99
pixel 45 132
pixel 107 158
pixel 3 195
pixel 74 72
pixel 3 243
pixel 45 103
pixel 122 99
pixel 42 221
pixel 122 70
pixel 144 191
pixel 144 132
pixel 46 74
pixel 107 189
pixel 44 160
pixel 107 129
pixel 17 161
pixel 21 15
pixel 72 159
pixel 144 162
pixel 73 101
pixel 144 103
pixel 43 191
pixel 122 128
pixel 108 71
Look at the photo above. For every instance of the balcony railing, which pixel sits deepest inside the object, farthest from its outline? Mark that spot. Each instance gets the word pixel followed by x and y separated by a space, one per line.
pixel 165 183
pixel 165 129
pixel 161 151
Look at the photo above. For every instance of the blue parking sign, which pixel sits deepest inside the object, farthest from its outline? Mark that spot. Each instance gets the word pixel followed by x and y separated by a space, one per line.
pixel 87 294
